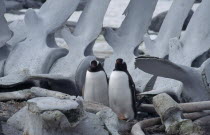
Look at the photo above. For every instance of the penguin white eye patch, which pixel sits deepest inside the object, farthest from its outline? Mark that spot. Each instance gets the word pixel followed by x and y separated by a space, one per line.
pixel 97 62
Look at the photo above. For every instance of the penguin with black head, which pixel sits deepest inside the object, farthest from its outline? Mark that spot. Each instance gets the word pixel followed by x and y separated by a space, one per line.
pixel 96 84
pixel 122 91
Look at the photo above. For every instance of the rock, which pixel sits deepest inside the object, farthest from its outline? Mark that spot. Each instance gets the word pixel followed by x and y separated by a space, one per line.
pixel 9 130
pixel 93 107
pixel 44 115
pixel 60 116
pixel 110 120
pixel 158 20
pixel 204 123
pixel 18 119
pixel 8 109
pixel 91 125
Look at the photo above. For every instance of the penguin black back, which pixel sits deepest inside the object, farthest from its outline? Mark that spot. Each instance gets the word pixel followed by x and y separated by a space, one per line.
pixel 120 65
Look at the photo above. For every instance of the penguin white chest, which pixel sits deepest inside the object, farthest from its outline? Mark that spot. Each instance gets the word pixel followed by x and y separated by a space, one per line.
pixel 120 96
pixel 96 87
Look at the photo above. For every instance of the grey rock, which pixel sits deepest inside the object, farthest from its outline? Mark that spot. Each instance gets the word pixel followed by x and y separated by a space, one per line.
pixel 52 116
pixel 110 120
pixel 85 128
pixel 9 130
pixel 93 107
pixel 43 115
pixel 15 119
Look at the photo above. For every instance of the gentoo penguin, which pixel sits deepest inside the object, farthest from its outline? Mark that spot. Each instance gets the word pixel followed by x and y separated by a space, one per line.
pixel 122 91
pixel 96 84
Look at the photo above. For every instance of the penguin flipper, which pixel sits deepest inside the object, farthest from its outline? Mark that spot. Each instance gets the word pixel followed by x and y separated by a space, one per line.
pixel 133 92
pixel 163 68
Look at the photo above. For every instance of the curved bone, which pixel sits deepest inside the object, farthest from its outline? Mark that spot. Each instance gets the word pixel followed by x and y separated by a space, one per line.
pixel 36 57
pixel 137 129
pixel 5 35
pixel 193 87
pixel 18 28
pixel 87 30
pixel 171 27
pixel 187 49
pixel 196 39
pixel 4 53
pixel 130 34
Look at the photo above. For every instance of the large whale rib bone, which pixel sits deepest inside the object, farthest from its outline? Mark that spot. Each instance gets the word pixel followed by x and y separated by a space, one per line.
pixel 86 31
pixel 5 35
pixel 194 43
pixel 196 39
pixel 130 34
pixel 33 54
pixel 171 27
pixel 194 88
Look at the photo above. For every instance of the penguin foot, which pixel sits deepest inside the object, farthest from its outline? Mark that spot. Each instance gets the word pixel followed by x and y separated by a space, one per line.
pixel 122 117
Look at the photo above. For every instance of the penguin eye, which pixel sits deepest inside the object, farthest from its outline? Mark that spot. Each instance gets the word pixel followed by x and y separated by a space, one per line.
pixel 94 63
